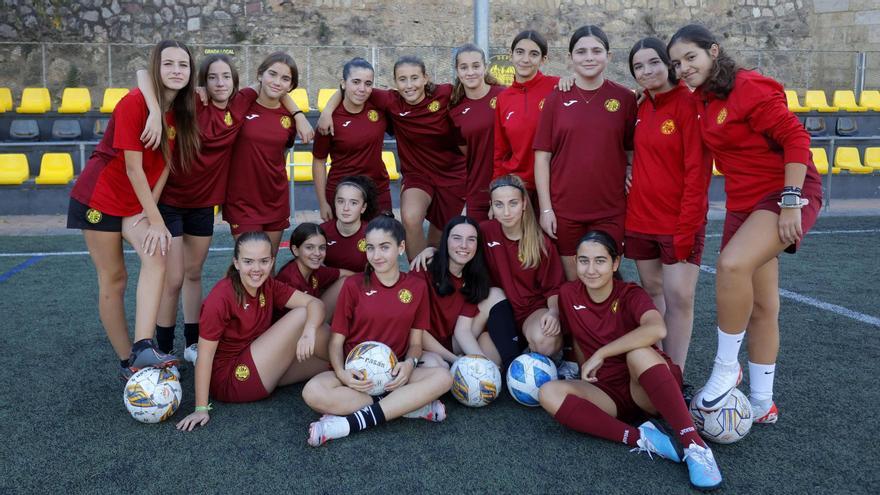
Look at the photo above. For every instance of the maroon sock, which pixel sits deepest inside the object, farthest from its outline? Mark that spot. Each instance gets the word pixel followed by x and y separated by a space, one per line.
pixel 665 394
pixel 584 416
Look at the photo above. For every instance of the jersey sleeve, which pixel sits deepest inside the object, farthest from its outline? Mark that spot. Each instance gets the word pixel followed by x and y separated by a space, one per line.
pixel 545 130
pixel 697 175
pixel 422 319
pixel 130 116
pixel 321 146
pixel 281 293
pixel 551 275
pixel 214 316
pixel 343 316
pixel 284 274
pixel 382 99
pixel 241 103
pixel 564 308
pixel 326 276
pixel 767 112
pixel 637 302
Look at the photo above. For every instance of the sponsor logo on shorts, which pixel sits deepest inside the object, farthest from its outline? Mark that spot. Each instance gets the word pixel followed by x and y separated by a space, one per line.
pixel 615 305
pixel 373 116
pixel 434 106
pixel 171 132
pixel 667 127
pixel 405 296
pixel 612 105
pixel 262 300
pixel 493 102
pixel 227 119
pixel 94 216
pixel 285 121
pixel 722 116
pixel 242 372
pixel 362 245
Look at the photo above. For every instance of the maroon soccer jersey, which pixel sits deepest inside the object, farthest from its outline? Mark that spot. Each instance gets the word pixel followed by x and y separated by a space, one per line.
pixel 383 314
pixel 445 310
pixel 474 121
pixel 347 253
pixel 526 289
pixel 104 184
pixel 594 325
pixel 355 147
pixel 588 133
pixel 257 191
pixel 318 281
pixel 205 184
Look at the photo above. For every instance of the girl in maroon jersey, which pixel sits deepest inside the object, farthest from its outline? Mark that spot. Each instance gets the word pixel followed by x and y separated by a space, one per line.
pixel 356 144
pixel 573 161
pixel 625 376
pixel 472 110
pixel 773 198
pixel 355 203
pixel 667 204
pixel 115 198
pixel 306 271
pixel 391 307
pixel 243 356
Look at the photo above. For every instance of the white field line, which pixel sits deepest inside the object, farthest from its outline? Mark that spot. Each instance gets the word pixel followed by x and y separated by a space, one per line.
pixel 827 232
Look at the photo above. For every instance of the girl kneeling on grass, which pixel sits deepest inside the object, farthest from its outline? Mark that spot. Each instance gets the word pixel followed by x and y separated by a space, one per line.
pixel 243 356
pixel 625 376
pixel 388 306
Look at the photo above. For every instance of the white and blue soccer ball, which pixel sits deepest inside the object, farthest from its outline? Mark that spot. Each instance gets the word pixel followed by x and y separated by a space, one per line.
pixel 728 424
pixel 526 374
pixel 375 361
pixel 475 380
pixel 152 395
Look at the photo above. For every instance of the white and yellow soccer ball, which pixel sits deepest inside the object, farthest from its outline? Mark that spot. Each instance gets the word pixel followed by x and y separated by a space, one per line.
pixel 152 395
pixel 475 380
pixel 375 361
pixel 526 374
pixel 728 424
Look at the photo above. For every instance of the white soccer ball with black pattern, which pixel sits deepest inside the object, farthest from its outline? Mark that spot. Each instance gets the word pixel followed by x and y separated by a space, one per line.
pixel 728 424
pixel 152 395
pixel 475 380
pixel 526 374
pixel 374 360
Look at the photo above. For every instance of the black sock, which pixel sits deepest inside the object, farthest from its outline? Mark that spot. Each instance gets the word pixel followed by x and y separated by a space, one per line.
pixel 141 345
pixel 165 338
pixel 123 363
pixel 502 329
pixel 191 333
pixel 366 417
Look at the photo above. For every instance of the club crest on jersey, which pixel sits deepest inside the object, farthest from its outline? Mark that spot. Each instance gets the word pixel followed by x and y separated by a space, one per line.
pixel 262 300
pixel 285 121
pixel 242 372
pixel 362 245
pixel 227 119
pixel 541 104
pixel 667 127
pixel 314 282
pixel 171 132
pixel 612 105
pixel 405 296
pixel 93 216
pixel 373 116
pixel 521 257
pixel 493 102
pixel 434 106
pixel 615 305
pixel 722 116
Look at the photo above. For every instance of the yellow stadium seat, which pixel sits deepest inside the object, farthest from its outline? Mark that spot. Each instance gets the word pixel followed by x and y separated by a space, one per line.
pixel 75 100
pixel 815 99
pixel 13 168
pixel 6 100
pixel 324 96
pixel 846 101
pixel 820 159
pixel 111 98
pixel 55 168
pixel 715 170
pixel 34 100
pixel 870 99
pixel 872 158
pixel 794 104
pixel 301 98
pixel 390 165
pixel 847 158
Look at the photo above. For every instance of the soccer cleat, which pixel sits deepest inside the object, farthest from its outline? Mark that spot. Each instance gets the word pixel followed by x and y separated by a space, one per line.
pixel 125 372
pixel 151 357
pixel 653 440
pixel 434 411
pixel 191 353
pixel 764 412
pixel 724 378
pixel 327 428
pixel 702 468
pixel 568 370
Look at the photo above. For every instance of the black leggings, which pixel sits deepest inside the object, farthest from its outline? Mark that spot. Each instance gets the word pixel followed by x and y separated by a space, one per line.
pixel 504 333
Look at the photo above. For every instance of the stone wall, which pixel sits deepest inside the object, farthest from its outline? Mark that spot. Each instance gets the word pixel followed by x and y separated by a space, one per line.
pixel 97 43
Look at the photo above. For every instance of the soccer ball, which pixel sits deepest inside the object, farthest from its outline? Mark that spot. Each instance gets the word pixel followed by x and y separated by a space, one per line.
pixel 526 374
pixel 475 380
pixel 375 361
pixel 726 425
pixel 152 394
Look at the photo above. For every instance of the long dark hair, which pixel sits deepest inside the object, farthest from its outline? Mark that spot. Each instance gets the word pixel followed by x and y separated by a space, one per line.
pixel 303 232
pixel 474 275
pixel 186 139
pixel 232 272
pixel 457 87
pixel 651 43
pixel 723 74
pixel 367 187
pixel 605 240
pixel 418 62
pixel 205 65
pixel 386 223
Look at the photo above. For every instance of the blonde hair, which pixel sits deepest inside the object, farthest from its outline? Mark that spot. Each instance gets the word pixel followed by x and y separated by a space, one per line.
pixel 531 244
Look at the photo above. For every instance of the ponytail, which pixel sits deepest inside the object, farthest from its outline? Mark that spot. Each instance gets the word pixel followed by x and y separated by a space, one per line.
pixel 232 272
pixel 605 240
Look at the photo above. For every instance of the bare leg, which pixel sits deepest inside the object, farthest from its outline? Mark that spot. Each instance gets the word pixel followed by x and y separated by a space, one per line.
pixel 569 267
pixel 425 385
pixel 105 249
pixel 327 395
pixel 330 296
pixel 679 288
pixel 195 251
pixel 274 351
pixel 651 279
pixel 763 330
pixel 167 315
pixel 150 280
pixel 414 205
pixel 538 342
pixel 552 395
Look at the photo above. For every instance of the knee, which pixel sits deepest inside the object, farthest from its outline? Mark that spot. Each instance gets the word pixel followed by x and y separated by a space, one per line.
pixel 113 282
pixel 551 395
pixel 680 298
pixel 731 266
pixel 545 345
pixel 433 360
pixel 412 219
pixel 653 285
pixel 639 360
pixel 766 308
pixel 442 380
pixel 314 396
pixel 193 274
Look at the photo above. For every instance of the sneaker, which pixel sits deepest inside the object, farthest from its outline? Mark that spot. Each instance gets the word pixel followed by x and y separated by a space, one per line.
pixel 764 412
pixel 191 353
pixel 125 372
pixel 702 468
pixel 722 381
pixel 568 370
pixel 327 428
pixel 434 411
pixel 151 356
pixel 653 440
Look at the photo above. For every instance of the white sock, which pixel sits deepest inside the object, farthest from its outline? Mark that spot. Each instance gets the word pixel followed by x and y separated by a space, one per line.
pixel 728 346
pixel 761 381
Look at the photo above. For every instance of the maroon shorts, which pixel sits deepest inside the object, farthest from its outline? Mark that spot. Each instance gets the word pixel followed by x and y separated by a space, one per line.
pixel 638 246
pixel 237 380
pixel 478 207
pixel 446 202
pixel 615 382
pixel 259 227
pixel 569 232
pixel 813 192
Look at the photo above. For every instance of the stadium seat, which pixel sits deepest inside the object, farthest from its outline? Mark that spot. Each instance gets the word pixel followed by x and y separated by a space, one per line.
pixel 390 165
pixel 55 168
pixel 815 100
pixel 301 162
pixel 872 158
pixel 870 99
pixel 846 101
pixel 13 168
pixel 815 125
pixel 820 159
pixel 846 126
pixel 100 127
pixel 5 100
pixel 111 98
pixel 301 98
pixel 847 158
pixel 794 104
pixel 24 130
pixel 75 100
pixel 66 129
pixel 34 100
pixel 324 96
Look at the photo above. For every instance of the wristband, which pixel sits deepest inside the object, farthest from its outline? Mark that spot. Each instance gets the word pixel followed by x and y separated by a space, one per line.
pixel 297 113
pixel 205 408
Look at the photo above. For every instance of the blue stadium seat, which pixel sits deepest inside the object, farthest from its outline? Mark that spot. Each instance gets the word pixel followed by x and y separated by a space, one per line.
pixel 66 129
pixel 24 130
